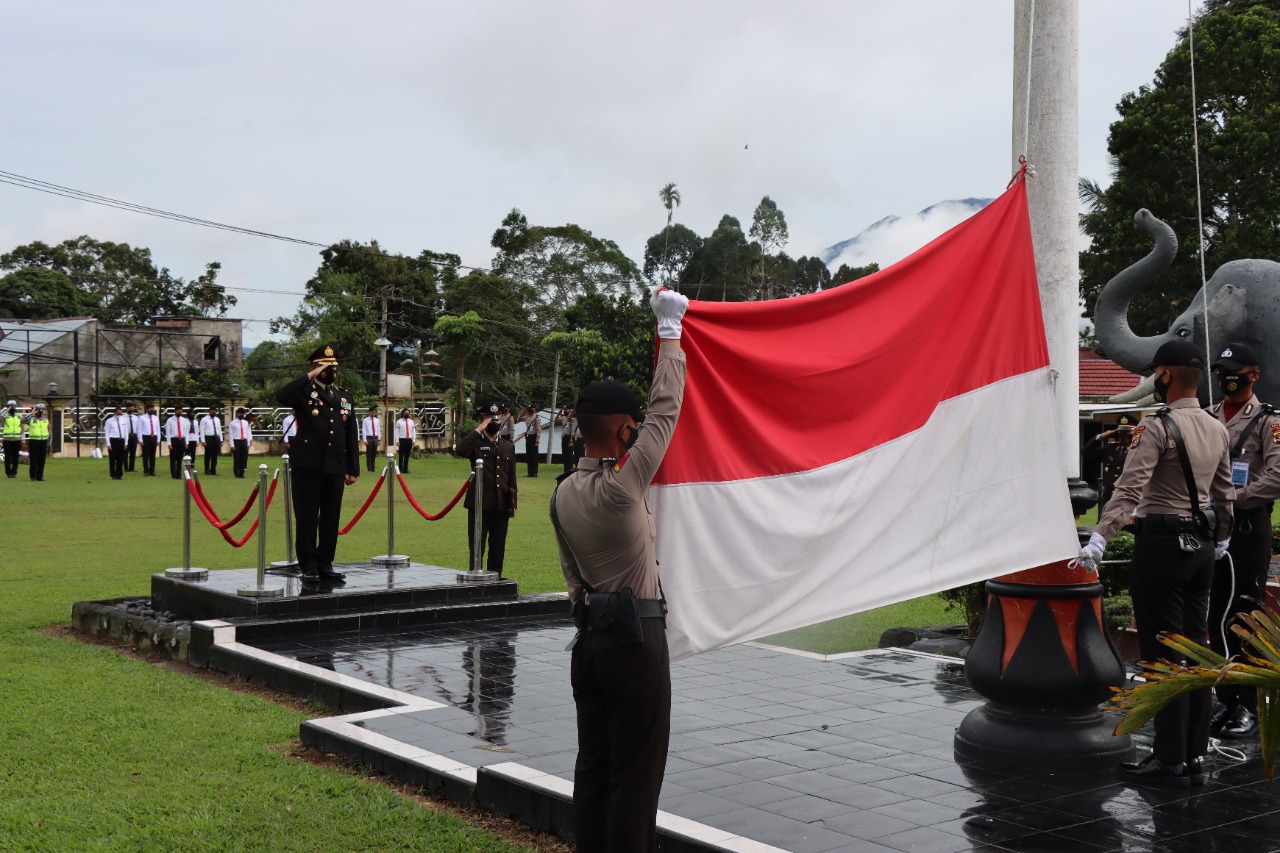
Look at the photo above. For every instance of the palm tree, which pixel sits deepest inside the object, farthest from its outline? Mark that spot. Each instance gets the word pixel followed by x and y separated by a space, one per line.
pixel 670 196
pixel 1260 669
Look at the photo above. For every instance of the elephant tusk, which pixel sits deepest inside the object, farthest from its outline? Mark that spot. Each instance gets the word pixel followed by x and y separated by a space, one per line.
pixel 1142 393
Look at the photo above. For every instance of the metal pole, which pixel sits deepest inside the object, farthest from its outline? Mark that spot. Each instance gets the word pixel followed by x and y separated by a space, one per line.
pixel 391 560
pixel 289 563
pixel 476 574
pixel 75 354
pixel 185 572
pixel 555 390
pixel 262 590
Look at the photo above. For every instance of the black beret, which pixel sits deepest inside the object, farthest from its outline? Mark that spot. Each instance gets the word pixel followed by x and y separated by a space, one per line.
pixel 608 398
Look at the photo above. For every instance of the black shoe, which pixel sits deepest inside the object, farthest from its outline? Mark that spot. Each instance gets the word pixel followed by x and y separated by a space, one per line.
pixel 326 573
pixel 1243 724
pixel 1153 771
pixel 1218 717
pixel 1196 771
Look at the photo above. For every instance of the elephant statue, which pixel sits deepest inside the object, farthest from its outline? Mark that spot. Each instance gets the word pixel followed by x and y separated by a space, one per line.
pixel 1243 307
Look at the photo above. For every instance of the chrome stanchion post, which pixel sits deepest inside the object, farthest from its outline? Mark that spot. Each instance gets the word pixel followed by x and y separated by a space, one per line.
pixel 477 574
pixel 289 563
pixel 186 572
pixel 391 560
pixel 262 590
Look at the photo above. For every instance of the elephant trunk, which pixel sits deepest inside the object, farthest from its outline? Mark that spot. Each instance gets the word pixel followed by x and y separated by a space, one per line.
pixel 1110 316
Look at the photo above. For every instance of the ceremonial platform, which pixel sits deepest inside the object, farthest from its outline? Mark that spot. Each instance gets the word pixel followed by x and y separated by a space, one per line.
pixel 771 749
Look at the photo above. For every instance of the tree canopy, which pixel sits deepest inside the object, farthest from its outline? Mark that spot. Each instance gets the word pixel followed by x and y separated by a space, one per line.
pixel 1237 63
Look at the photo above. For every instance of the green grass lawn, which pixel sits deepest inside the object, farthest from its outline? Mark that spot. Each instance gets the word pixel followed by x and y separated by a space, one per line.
pixel 99 751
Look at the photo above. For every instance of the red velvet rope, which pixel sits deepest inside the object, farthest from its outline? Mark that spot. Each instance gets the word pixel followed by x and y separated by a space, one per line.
pixel 368 502
pixel 422 512
pixel 198 496
pixel 227 525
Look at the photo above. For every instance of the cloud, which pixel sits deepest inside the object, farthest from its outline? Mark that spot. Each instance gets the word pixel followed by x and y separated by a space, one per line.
pixel 893 238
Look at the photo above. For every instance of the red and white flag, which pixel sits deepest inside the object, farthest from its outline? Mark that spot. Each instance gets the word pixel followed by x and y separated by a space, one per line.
pixel 875 442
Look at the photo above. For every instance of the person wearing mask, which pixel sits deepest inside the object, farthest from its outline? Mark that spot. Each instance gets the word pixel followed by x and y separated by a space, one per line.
pixel 177 431
pixel 568 426
pixel 507 424
pixel 149 436
pixel 406 431
pixel 498 488
pixel 12 424
pixel 1176 488
pixel 620 668
pixel 1253 431
pixel 118 426
pixel 131 448
pixel 532 434
pixel 288 429
pixel 211 435
pixel 371 435
pixel 38 441
pixel 241 435
pixel 324 458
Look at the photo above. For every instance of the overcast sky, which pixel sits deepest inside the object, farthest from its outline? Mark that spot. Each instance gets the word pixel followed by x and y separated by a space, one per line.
pixel 422 124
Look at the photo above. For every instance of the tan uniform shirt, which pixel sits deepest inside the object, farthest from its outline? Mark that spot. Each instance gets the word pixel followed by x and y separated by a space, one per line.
pixel 604 508
pixel 1153 482
pixel 1261 453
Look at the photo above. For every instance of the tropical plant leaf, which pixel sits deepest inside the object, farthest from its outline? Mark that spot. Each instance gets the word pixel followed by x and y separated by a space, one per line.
pixel 1198 652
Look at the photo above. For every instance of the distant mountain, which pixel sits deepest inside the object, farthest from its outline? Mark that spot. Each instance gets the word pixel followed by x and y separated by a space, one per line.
pixel 892 238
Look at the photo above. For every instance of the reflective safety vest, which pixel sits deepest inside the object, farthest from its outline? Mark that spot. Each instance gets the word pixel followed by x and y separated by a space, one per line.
pixel 38 429
pixel 12 427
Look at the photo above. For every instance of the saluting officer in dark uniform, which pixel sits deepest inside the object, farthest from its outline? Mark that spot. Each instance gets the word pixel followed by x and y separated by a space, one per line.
pixel 1174 547
pixel 1254 432
pixel 324 458
pixel 1113 447
pixel 499 487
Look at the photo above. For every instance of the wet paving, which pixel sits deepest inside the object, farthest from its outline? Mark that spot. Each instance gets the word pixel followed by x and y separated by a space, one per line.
pixel 804 754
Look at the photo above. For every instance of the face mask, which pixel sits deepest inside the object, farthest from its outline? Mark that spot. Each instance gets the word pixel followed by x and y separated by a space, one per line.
pixel 492 429
pixel 1161 390
pixel 327 375
pixel 1230 383
pixel 631 440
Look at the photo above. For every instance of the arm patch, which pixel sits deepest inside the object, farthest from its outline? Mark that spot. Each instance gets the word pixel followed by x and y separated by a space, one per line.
pixel 1137 435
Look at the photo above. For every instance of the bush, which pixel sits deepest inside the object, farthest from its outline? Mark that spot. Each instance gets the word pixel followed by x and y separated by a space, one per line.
pixel 1115 577
pixel 971 600
pixel 1118 611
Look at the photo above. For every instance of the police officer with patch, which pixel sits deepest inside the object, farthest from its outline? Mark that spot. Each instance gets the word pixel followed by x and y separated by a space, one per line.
pixel 620 671
pixel 12 424
pixel 38 441
pixel 1254 432
pixel 1177 481
pixel 498 488
pixel 324 458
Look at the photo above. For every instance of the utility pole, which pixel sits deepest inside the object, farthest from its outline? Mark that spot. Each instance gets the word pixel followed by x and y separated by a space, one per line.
pixel 555 390
pixel 382 343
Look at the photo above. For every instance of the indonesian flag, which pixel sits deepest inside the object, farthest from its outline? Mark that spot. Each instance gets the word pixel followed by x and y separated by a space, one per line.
pixel 875 442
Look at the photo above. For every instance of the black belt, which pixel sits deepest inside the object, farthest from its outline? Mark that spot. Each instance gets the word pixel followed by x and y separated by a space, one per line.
pixel 1170 525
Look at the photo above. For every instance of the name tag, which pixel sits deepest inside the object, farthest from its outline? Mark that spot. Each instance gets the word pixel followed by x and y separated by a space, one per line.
pixel 1239 473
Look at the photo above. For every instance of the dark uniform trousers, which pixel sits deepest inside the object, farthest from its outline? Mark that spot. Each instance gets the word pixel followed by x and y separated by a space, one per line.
pixel 239 456
pixel 531 456
pixel 566 454
pixel 116 457
pixel 177 449
pixel 493 537
pixel 317 503
pixel 1251 557
pixel 623 695
pixel 370 453
pixel 406 453
pixel 132 449
pixel 1170 591
pixel 39 449
pixel 149 445
pixel 212 450
pixel 12 449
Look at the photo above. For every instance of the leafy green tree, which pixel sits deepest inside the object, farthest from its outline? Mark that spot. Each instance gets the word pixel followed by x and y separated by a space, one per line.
pixel 113 282
pixel 670 196
pixel 668 253
pixel 794 277
pixel 1237 45
pixel 500 359
pixel 846 273
pixel 769 228
pixel 720 269
pixel 461 335
pixel 607 338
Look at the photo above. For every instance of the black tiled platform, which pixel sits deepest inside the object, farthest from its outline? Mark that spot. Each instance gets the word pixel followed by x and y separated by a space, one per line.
pixel 803 754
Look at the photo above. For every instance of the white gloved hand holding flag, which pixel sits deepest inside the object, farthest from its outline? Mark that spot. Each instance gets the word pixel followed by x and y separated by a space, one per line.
pixel 669 307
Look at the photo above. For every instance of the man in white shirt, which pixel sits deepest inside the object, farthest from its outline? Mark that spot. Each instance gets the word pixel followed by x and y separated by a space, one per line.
pixel 117 437
pixel 241 436
pixel 149 435
pixel 406 431
pixel 288 429
pixel 132 447
pixel 371 435
pixel 211 435
pixel 177 430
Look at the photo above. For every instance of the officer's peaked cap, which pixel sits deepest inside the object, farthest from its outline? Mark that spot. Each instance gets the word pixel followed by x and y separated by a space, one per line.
pixel 1177 354
pixel 1236 357
pixel 608 398
pixel 490 410
pixel 324 354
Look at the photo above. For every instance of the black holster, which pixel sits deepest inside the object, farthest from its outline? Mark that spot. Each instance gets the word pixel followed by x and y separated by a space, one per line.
pixel 617 610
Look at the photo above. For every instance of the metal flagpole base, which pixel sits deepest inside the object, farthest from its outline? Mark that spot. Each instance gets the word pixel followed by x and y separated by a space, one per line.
pixel 478 577
pixel 284 567
pixel 391 561
pixel 261 592
pixel 191 574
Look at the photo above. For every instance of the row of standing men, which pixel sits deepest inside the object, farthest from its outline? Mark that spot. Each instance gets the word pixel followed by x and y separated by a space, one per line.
pixel 127 432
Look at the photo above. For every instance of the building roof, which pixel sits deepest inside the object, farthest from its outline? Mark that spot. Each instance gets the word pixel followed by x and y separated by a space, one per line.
pixel 1100 377
pixel 17 336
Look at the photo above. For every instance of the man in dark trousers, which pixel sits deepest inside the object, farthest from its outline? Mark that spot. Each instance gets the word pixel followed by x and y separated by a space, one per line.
pixel 211 436
pixel 371 435
pixel 132 447
pixel 532 435
pixel 1181 526
pixel 1253 429
pixel 241 435
pixel 117 433
pixel 620 670
pixel 177 431
pixel 498 487
pixel 149 433
pixel 324 457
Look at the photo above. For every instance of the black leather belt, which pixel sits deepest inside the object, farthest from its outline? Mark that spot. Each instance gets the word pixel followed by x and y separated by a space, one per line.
pixel 1170 525
pixel 651 608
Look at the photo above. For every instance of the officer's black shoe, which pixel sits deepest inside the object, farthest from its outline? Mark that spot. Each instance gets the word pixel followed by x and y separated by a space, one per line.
pixel 1218 717
pixel 1243 723
pixel 1153 771
pixel 327 573
pixel 1196 771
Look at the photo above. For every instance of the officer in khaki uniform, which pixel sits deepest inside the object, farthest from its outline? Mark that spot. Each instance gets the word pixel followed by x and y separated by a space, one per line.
pixel 323 458
pixel 1253 430
pixel 498 489
pixel 1174 547
pixel 620 670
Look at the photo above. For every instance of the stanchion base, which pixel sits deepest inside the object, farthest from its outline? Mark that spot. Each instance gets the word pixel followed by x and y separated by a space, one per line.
pixel 191 574
pixel 284 567
pixel 263 592
pixel 478 577
pixel 391 561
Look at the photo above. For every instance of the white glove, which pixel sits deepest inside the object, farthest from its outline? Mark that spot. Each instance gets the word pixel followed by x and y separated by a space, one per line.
pixel 1220 548
pixel 669 307
pixel 1092 553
